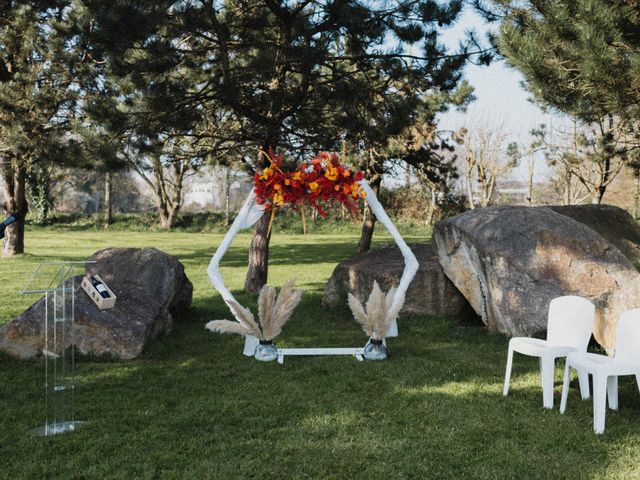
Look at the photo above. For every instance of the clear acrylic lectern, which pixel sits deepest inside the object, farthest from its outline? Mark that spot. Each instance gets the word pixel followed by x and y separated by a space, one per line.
pixel 56 280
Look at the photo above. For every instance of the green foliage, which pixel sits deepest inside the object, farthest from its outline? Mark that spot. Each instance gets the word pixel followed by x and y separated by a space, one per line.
pixel 581 57
pixel 39 178
pixel 407 221
pixel 193 407
pixel 297 76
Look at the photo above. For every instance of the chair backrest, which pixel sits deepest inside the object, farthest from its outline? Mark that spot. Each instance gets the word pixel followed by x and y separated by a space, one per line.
pixel 570 322
pixel 628 336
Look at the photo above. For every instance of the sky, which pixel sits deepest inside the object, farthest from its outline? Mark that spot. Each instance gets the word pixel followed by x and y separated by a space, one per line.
pixel 501 101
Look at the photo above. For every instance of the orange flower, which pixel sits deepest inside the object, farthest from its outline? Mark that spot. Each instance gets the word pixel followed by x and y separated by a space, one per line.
pixel 297 176
pixel 331 173
pixel 287 181
pixel 277 186
pixel 266 173
pixel 314 187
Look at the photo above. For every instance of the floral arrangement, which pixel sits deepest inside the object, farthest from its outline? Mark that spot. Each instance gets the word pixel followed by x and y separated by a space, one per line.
pixel 324 179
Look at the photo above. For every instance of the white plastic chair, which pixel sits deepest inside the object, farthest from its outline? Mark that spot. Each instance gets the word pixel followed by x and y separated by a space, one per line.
pixel 569 328
pixel 606 370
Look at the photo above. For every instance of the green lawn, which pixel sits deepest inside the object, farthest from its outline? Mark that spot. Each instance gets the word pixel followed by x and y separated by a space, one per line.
pixel 193 407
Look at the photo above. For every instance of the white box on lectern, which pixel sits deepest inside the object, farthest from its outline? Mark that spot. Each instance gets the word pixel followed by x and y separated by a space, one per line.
pixel 101 302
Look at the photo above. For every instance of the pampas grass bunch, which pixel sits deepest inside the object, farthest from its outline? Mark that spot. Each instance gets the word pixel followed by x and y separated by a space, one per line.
pixel 378 315
pixel 273 312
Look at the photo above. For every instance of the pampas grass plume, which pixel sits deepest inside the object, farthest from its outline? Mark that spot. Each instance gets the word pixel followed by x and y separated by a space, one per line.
pixel 378 315
pixel 273 312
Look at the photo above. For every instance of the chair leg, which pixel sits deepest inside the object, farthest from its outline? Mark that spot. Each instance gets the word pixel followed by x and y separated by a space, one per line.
pixel 507 374
pixel 583 379
pixel 612 392
pixel 599 402
pixel 566 381
pixel 638 381
pixel 547 371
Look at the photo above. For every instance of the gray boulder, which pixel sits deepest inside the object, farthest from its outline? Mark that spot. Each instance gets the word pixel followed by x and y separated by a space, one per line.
pixel 430 292
pixel 509 262
pixel 150 287
pixel 615 224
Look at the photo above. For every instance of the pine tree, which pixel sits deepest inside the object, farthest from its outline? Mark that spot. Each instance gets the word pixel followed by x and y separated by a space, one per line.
pixel 147 106
pixel 294 76
pixel 581 58
pixel 39 69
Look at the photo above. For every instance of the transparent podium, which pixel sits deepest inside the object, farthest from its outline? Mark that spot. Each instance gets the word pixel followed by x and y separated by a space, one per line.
pixel 56 280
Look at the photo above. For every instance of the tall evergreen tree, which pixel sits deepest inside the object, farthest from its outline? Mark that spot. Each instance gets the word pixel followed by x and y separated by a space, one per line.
pixel 291 73
pixel 39 64
pixel 150 109
pixel 581 58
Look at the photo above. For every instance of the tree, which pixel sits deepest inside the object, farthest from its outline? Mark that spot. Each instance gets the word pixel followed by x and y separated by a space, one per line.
pixel 297 73
pixel 577 56
pixel 517 151
pixel 589 156
pixel 165 171
pixel 396 131
pixel 435 173
pixel 429 153
pixel 39 66
pixel 486 159
pixel 149 83
pixel 581 58
pixel 289 72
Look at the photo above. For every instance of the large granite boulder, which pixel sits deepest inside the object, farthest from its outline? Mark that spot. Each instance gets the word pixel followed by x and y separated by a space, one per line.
pixel 150 287
pixel 430 292
pixel 509 262
pixel 615 224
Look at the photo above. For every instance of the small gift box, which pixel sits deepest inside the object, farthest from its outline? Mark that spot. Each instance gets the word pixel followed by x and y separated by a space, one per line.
pixel 98 291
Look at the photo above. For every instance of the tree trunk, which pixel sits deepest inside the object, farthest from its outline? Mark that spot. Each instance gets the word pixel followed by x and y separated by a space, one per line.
pixel 530 186
pixel 636 196
pixel 167 213
pixel 598 194
pixel 168 218
pixel 432 207
pixel 258 270
pixel 369 224
pixel 258 256
pixel 568 192
pixel 14 179
pixel 469 172
pixel 407 177
pixel 227 197
pixel 108 201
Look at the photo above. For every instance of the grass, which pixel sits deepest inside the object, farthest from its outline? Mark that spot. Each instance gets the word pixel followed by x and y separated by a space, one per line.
pixel 193 407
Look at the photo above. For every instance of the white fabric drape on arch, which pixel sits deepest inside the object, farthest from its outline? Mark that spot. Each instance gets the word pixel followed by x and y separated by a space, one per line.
pixel 251 212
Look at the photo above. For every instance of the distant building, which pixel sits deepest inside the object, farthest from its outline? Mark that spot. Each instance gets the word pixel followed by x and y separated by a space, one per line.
pixel 207 189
